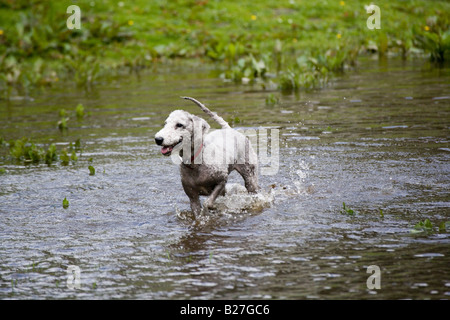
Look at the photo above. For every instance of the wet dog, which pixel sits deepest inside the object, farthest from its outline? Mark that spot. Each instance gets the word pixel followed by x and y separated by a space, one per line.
pixel 206 159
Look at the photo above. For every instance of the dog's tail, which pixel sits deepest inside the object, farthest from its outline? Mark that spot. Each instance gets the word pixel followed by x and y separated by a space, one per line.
pixel 217 118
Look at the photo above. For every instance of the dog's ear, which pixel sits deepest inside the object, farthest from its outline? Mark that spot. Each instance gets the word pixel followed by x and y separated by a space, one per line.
pixel 200 127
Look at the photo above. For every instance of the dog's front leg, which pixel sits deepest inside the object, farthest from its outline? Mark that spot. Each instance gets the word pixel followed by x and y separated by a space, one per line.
pixel 196 205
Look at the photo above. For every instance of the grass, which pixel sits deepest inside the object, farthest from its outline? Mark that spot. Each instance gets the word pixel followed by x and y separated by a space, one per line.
pixel 296 44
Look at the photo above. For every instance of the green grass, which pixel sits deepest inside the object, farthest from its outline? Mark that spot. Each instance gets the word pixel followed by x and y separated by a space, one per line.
pixel 302 43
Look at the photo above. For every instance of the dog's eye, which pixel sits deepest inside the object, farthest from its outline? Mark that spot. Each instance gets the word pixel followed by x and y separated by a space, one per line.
pixel 179 125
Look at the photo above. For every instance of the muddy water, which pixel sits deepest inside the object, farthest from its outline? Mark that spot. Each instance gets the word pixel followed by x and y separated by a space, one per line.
pixel 375 139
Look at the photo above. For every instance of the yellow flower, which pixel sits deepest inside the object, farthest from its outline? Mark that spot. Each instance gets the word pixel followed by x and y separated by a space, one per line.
pixel 427 28
pixel 253 17
pixel 130 22
pixel 338 36
pixel 1 32
pixel 342 3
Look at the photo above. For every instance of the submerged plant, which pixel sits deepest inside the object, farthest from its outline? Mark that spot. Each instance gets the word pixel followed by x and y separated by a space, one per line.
pixel 427 227
pixel 65 158
pixel 346 210
pixel 62 124
pixel 24 149
pixel 444 226
pixel 51 154
pixel 423 226
pixel 271 100
pixel 65 203
pixel 79 111
pixel 27 151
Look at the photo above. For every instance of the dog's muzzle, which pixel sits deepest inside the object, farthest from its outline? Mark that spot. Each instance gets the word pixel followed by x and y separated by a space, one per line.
pixel 166 150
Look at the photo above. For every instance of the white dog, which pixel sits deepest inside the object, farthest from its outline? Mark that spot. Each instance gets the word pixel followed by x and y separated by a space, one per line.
pixel 207 159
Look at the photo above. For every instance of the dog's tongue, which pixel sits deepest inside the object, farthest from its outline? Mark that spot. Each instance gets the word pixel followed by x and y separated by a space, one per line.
pixel 165 150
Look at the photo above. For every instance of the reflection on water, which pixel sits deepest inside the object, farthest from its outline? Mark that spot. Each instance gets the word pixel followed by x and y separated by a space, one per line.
pixel 376 140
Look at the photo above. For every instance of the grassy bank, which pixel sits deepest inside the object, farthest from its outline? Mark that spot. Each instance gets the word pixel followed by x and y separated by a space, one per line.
pixel 288 44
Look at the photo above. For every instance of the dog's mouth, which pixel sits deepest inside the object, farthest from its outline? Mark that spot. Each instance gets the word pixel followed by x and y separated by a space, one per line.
pixel 167 150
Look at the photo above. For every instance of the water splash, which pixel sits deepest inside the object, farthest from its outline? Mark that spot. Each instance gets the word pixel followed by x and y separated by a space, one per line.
pixel 299 173
pixel 236 203
pixel 238 200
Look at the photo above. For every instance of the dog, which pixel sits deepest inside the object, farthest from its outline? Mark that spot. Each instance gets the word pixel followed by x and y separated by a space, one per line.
pixel 206 159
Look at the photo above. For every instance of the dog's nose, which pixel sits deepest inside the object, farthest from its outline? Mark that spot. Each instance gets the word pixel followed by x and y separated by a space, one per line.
pixel 159 140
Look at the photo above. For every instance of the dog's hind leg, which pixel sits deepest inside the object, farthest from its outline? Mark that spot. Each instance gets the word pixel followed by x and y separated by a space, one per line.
pixel 249 174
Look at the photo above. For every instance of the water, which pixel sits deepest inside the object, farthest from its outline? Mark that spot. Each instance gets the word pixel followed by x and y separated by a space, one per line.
pixel 375 139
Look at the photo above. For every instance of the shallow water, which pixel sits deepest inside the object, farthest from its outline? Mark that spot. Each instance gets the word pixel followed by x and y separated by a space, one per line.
pixel 377 138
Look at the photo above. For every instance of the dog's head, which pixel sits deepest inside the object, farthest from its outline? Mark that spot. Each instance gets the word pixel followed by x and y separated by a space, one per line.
pixel 179 128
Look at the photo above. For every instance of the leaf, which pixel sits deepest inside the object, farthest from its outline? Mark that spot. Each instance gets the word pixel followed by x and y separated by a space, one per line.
pixel 444 225
pixel 231 51
pixel 62 124
pixel 51 156
pixel 65 203
pixel 80 111
pixel 73 156
pixel 78 144
pixel 423 226
pixel 65 159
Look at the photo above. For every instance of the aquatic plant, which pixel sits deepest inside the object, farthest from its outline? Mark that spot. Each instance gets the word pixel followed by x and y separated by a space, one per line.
pixel 65 203
pixel 62 123
pixel 423 226
pixel 27 151
pixel 64 157
pixel 79 110
pixel 246 69
pixel 91 170
pixel 427 227
pixel 272 99
pixel 434 37
pixel 444 226
pixel 347 211
pixel 24 149
pixel 80 113
pixel 51 155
